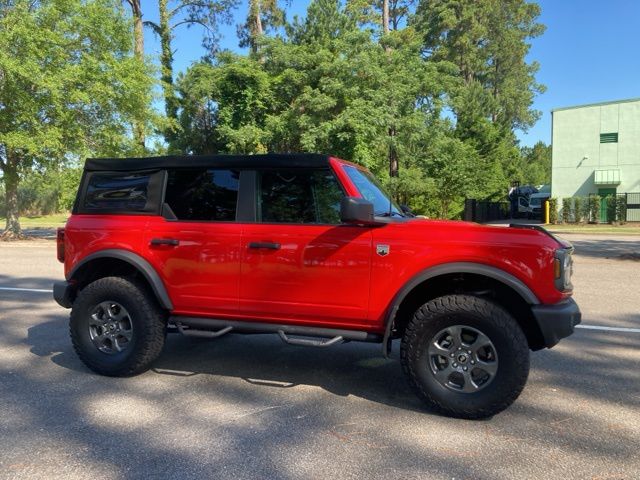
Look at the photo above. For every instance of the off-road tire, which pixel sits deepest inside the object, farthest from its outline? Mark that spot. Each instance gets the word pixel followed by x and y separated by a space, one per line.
pixel 490 319
pixel 148 324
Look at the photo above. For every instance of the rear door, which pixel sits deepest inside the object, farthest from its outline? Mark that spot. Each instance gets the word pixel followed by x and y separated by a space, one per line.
pixel 299 264
pixel 195 246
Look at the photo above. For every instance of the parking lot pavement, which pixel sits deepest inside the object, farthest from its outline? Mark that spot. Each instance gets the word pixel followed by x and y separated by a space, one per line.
pixel 251 407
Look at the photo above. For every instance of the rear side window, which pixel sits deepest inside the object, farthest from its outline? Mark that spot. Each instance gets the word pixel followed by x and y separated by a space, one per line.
pixel 203 194
pixel 299 196
pixel 126 192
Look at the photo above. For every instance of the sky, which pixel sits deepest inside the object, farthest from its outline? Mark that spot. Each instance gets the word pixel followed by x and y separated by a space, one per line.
pixel 590 52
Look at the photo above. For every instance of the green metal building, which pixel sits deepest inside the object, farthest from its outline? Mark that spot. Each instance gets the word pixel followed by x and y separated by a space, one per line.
pixel 596 149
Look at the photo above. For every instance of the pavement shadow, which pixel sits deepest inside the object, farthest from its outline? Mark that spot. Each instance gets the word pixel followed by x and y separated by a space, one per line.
pixel 608 249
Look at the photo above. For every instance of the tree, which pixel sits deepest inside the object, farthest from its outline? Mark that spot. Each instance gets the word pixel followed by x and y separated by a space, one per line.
pixel 535 166
pixel 69 86
pixel 488 41
pixel 138 50
pixel 207 14
pixel 262 16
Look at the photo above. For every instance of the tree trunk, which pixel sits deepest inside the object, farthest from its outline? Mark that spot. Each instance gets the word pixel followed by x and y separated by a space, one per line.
pixel 11 179
pixel 166 60
pixel 385 17
pixel 394 167
pixel 255 24
pixel 138 51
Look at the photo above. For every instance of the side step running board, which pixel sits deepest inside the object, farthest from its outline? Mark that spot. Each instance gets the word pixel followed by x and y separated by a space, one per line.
pixel 309 343
pixel 214 328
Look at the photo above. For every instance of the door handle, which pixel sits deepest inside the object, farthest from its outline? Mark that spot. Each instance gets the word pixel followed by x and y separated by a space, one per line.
pixel 165 241
pixel 265 245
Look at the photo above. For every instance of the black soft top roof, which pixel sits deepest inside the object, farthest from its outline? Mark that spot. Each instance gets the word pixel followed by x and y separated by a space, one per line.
pixel 295 160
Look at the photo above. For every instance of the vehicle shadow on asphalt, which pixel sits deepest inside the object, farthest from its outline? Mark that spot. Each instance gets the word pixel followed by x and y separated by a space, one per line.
pixel 607 248
pixel 27 282
pixel 211 424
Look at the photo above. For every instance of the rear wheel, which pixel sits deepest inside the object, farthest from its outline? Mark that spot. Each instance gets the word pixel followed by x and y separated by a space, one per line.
pixel 465 356
pixel 116 327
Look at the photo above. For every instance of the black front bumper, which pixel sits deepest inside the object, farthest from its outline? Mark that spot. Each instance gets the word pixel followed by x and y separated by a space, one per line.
pixel 64 293
pixel 557 321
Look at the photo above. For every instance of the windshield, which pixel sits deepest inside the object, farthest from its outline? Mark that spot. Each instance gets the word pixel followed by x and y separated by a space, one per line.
pixel 372 191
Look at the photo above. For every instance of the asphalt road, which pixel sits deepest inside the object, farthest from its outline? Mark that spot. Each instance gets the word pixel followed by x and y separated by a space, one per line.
pixel 251 407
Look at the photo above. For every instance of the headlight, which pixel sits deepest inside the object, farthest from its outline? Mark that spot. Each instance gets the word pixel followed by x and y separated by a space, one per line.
pixel 563 269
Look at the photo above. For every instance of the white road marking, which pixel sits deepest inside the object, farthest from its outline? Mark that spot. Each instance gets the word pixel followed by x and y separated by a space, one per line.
pixel 36 290
pixel 609 329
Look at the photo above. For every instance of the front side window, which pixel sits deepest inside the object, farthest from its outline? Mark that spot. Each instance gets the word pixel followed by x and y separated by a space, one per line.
pixel 372 191
pixel 203 194
pixel 298 196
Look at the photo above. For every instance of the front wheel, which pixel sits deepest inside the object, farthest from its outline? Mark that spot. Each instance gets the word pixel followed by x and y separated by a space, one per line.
pixel 116 327
pixel 465 356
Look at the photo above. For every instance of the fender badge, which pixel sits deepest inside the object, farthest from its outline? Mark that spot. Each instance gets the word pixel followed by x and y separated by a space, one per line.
pixel 382 250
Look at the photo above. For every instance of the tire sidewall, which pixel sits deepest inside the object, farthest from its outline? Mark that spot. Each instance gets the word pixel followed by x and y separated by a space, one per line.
pixel 512 366
pixel 100 291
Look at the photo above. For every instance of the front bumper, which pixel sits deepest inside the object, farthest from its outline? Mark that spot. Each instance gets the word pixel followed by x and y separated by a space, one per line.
pixel 64 293
pixel 557 321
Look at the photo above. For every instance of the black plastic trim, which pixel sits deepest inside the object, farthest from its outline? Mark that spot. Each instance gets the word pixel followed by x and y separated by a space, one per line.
pixel 139 263
pixel 448 268
pixel 64 294
pixel 557 321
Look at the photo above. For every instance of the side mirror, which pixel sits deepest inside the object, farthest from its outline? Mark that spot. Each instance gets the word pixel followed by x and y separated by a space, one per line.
pixel 356 210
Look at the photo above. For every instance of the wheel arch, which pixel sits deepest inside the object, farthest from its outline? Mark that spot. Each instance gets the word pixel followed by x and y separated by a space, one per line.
pixel 110 260
pixel 442 279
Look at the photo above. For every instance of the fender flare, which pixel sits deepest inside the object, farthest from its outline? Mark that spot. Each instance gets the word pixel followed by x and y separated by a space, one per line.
pixel 448 268
pixel 139 263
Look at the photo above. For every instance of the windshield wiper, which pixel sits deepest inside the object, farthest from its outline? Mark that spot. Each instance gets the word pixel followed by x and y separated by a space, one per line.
pixel 387 214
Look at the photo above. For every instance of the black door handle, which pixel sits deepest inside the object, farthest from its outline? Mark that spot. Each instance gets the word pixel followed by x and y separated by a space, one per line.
pixel 165 241
pixel 267 245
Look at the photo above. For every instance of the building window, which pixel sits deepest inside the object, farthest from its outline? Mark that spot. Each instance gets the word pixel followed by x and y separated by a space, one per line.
pixel 609 137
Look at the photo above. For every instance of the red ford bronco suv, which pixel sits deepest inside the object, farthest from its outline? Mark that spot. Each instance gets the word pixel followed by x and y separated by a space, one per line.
pixel 311 248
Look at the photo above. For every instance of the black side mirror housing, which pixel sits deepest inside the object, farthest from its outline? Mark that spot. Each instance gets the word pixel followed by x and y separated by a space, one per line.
pixel 354 210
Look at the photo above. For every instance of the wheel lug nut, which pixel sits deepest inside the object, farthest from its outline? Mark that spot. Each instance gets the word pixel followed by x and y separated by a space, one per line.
pixel 455 364
pixel 451 355
pixel 469 352
pixel 473 362
pixel 465 368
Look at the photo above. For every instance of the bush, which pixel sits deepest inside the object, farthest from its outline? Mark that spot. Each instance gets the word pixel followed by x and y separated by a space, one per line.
pixel 45 192
pixel 611 205
pixel 566 210
pixel 553 210
pixel 594 209
pixel 621 208
pixel 577 210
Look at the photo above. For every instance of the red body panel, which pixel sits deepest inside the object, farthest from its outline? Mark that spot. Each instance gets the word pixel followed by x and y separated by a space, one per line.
pixel 322 275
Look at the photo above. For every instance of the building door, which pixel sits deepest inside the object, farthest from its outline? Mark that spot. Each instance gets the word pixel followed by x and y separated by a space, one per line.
pixel 604 193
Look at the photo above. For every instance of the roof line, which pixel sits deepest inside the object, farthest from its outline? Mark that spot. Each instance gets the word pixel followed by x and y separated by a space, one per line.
pixel 597 104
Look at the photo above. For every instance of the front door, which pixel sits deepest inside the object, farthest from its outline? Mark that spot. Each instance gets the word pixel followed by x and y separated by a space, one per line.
pixel 299 264
pixel 604 193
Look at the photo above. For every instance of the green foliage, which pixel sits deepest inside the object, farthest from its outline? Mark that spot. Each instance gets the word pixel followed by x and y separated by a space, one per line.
pixel 594 209
pixel 553 210
pixel 621 209
pixel 535 164
pixel 566 210
pixel 69 87
pixel 611 204
pixel 578 214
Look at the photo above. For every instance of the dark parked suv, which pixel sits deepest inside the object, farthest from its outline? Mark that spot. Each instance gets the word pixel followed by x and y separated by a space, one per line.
pixel 311 248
